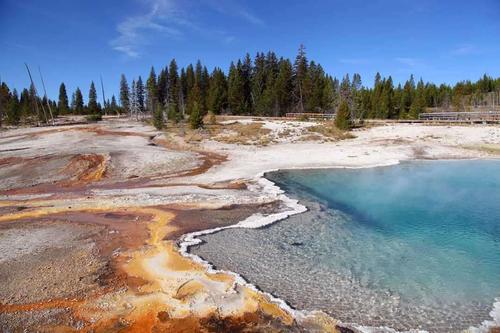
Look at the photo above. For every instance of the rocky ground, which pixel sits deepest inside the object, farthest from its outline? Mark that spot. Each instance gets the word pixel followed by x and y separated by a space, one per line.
pixel 91 215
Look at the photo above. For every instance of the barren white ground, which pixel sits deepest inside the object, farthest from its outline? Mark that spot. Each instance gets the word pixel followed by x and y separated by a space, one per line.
pixel 381 145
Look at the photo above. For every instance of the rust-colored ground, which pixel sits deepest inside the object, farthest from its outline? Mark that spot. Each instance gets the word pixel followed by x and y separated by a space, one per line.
pixel 105 268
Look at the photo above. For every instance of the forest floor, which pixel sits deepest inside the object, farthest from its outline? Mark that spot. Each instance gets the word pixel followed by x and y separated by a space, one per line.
pixel 92 215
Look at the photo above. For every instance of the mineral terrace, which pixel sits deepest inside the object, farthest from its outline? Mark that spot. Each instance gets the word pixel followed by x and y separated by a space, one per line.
pixel 91 218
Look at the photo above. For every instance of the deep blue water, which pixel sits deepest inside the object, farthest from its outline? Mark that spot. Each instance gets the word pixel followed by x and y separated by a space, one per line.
pixel 416 245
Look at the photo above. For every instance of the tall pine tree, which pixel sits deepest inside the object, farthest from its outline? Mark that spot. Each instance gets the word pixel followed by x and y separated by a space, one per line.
pixel 63 105
pixel 124 94
pixel 92 106
pixel 78 106
pixel 300 77
pixel 217 95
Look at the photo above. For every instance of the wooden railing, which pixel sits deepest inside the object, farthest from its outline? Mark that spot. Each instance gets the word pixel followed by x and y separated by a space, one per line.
pixel 310 115
pixel 475 116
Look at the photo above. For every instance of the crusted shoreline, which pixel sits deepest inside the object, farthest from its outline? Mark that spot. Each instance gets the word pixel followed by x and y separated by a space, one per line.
pixel 258 221
pixel 126 202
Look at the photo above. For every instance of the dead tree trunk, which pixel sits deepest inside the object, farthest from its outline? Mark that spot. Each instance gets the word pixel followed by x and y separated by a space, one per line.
pixel 45 96
pixel 103 98
pixel 1 103
pixel 36 98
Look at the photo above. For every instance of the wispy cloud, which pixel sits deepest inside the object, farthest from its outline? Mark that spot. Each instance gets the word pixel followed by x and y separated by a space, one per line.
pixel 411 65
pixel 162 18
pixel 355 61
pixel 173 19
pixel 465 49
pixel 250 17
pixel 410 62
pixel 234 8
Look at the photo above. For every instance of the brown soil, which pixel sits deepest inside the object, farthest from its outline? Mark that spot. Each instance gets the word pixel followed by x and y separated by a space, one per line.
pixel 187 221
pixel 92 270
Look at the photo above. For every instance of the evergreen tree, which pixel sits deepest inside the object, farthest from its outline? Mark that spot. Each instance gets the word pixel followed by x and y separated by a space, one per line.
pixel 139 90
pixel 316 77
pixel 343 116
pixel 386 107
pixel 246 70
pixel 183 86
pixel 162 88
pixel 113 106
pixel 258 84
pixel 356 111
pixel 78 107
pixel 124 94
pixel 173 113
pixel 217 95
pixel 299 79
pixel 418 104
pixel 134 109
pixel 92 106
pixel 196 118
pixel 201 79
pixel 236 90
pixel 24 100
pixel 62 105
pixel 328 95
pixel 174 92
pixel 36 107
pixel 265 86
pixel 190 79
pixel 396 101
pixel 158 120
pixel 366 103
pixel 346 90
pixel 283 87
pixel 13 109
pixel 407 97
pixel 4 101
pixel 152 92
pixel 376 96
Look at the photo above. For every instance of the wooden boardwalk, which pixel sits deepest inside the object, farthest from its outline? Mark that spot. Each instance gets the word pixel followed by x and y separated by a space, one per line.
pixel 464 117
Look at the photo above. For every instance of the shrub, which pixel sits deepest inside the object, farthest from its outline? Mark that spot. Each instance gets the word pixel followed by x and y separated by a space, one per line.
pixel 342 118
pixel 94 117
pixel 196 118
pixel 210 118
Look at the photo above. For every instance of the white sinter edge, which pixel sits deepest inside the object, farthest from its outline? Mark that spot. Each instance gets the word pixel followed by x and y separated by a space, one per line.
pixel 258 220
pixel 487 324
pixel 252 222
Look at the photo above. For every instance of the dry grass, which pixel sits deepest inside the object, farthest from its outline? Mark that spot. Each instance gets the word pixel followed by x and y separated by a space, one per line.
pixel 245 134
pixel 254 133
pixel 312 137
pixel 285 133
pixel 328 130
pixel 194 136
pixel 233 133
pixel 491 149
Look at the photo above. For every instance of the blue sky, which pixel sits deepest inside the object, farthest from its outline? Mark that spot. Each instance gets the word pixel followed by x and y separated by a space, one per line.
pixel 77 41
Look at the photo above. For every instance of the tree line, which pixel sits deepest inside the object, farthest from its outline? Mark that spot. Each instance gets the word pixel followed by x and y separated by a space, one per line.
pixel 263 86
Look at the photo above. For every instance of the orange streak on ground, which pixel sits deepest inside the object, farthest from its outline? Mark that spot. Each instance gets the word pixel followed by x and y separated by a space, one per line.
pixel 44 305
pixel 172 283
pixel 175 294
pixel 90 168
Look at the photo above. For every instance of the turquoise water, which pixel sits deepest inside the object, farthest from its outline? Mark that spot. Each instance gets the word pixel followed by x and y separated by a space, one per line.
pixel 416 245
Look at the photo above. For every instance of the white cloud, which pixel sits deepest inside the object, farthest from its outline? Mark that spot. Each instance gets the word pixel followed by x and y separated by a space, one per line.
pixel 232 8
pixel 161 18
pixel 250 17
pixel 409 62
pixel 411 65
pixel 355 61
pixel 173 19
pixel 465 49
